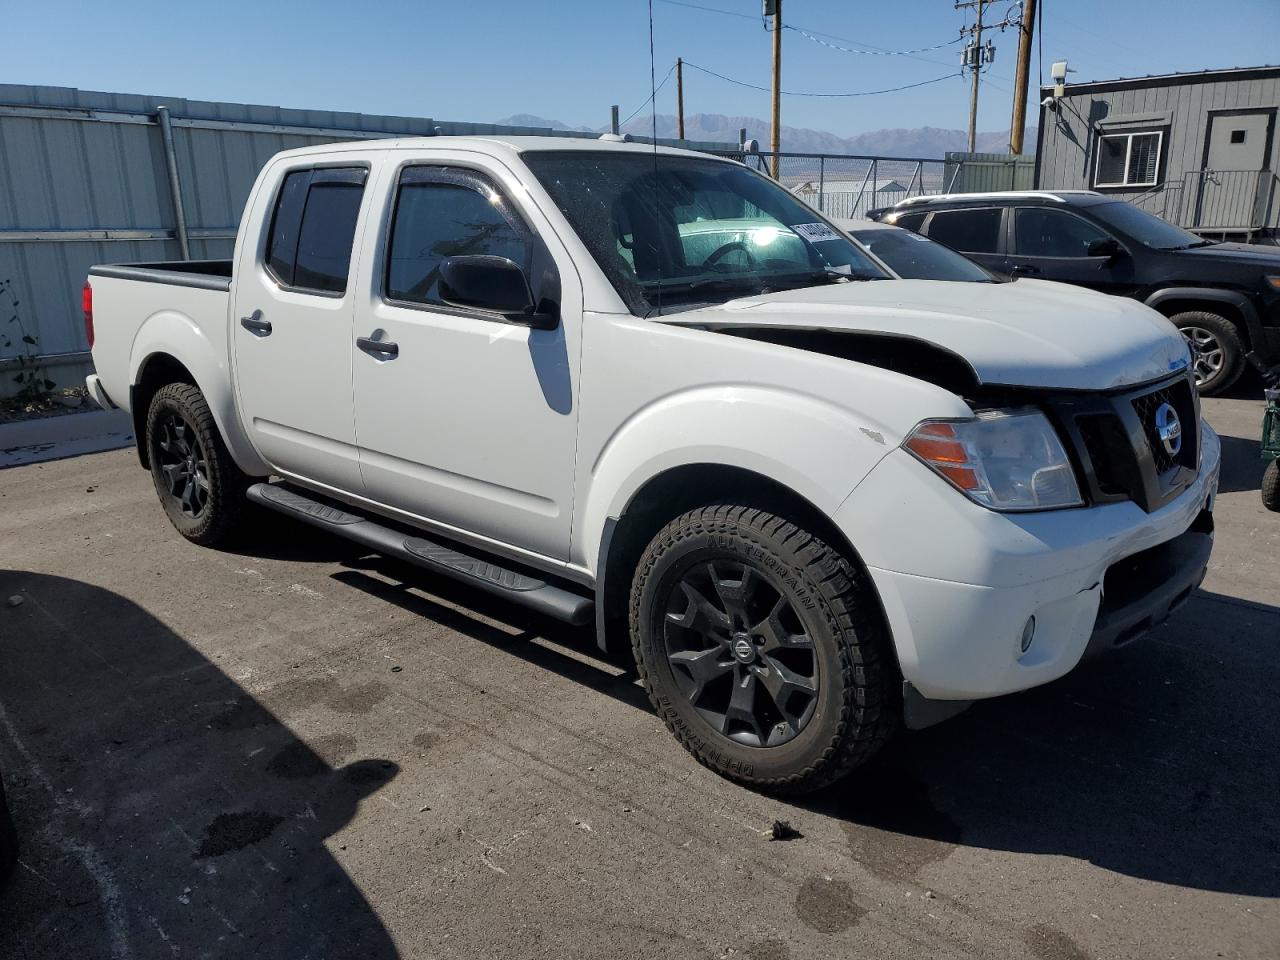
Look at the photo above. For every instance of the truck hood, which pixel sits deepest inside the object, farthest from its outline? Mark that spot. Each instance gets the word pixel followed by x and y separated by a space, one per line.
pixel 1032 333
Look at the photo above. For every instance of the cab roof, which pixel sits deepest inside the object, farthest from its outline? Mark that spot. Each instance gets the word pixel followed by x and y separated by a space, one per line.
pixel 499 144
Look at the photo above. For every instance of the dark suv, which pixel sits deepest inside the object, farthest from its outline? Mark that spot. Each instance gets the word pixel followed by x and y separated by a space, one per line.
pixel 1224 297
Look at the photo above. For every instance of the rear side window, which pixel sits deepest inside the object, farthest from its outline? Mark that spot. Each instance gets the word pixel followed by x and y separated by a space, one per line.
pixel 909 221
pixel 313 228
pixel 970 231
pixel 442 212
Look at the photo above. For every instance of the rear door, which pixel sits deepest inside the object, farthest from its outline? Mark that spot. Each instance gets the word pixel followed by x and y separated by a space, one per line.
pixel 1052 244
pixel 471 423
pixel 292 322
pixel 977 232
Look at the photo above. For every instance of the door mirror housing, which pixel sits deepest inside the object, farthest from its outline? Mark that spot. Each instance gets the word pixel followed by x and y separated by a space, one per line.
pixel 1106 247
pixel 496 284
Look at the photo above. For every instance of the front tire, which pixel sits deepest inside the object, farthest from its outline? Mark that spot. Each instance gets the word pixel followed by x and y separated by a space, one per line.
pixel 762 649
pixel 1216 347
pixel 200 486
pixel 1271 486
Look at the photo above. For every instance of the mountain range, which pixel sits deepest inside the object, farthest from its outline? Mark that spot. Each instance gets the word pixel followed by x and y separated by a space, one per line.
pixel 927 142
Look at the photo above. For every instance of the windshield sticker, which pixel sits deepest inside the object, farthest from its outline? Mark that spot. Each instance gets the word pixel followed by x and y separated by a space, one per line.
pixel 815 232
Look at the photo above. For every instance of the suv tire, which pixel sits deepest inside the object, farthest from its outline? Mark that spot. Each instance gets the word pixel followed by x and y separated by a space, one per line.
pixel 762 649
pixel 200 486
pixel 1219 351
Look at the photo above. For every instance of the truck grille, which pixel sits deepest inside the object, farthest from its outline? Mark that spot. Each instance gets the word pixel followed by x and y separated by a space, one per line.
pixel 1116 441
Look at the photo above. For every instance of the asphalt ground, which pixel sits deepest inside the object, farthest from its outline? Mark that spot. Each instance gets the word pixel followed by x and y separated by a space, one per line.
pixel 294 749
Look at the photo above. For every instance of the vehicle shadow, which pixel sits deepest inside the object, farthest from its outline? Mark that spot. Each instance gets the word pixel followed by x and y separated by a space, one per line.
pixel 1242 464
pixel 1161 762
pixel 160 808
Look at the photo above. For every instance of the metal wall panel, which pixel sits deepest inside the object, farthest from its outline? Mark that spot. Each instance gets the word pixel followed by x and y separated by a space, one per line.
pixel 1181 107
pixel 80 160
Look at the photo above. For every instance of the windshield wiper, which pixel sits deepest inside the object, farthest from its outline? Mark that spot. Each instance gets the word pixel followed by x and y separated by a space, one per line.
pixel 1192 246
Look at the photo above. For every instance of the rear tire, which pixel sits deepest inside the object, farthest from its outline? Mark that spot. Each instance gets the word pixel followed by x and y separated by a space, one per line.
pixel 762 649
pixel 1271 487
pixel 200 487
pixel 1217 350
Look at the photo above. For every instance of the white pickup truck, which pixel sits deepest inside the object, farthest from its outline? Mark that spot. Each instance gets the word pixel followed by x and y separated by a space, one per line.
pixel 653 390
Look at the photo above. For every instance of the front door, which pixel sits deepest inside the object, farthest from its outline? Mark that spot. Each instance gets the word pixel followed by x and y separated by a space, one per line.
pixel 1237 149
pixel 292 325
pixel 469 421
pixel 1051 244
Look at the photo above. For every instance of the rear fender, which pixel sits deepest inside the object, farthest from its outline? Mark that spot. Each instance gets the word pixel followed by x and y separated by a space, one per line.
pixel 179 336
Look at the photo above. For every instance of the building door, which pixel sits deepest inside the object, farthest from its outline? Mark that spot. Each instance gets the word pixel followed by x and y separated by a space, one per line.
pixel 1237 150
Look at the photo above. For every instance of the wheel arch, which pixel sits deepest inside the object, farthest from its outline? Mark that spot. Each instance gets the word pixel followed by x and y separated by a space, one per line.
pixel 170 347
pixel 677 490
pixel 1231 304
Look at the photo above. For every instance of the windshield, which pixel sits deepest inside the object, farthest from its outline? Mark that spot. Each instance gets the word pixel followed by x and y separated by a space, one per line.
pixel 1146 228
pixel 914 257
pixel 675 232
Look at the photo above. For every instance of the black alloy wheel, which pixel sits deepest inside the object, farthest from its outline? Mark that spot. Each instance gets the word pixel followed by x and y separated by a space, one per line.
pixel 740 653
pixel 183 465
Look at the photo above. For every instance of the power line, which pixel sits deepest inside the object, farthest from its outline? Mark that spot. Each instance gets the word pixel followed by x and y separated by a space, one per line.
pixel 798 93
pixel 651 95
pixel 871 53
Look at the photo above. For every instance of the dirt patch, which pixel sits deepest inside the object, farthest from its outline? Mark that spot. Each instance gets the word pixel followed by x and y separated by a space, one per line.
pixel 828 905
pixel 229 832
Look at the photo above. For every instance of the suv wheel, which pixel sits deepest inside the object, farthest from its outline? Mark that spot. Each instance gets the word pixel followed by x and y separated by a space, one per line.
pixel 1216 349
pixel 761 648
pixel 200 486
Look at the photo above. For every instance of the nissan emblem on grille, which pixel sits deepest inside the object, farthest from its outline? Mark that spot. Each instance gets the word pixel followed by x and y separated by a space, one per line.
pixel 1169 429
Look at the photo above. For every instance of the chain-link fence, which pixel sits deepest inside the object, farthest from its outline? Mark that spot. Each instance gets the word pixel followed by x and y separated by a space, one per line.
pixel 850 187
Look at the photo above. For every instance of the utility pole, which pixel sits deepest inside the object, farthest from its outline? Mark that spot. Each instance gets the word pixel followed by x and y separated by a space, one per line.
pixel 613 119
pixel 774 8
pixel 974 58
pixel 679 98
pixel 1026 28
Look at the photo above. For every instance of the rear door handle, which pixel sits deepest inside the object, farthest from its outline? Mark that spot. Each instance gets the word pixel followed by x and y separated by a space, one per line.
pixel 1024 270
pixel 256 325
pixel 382 349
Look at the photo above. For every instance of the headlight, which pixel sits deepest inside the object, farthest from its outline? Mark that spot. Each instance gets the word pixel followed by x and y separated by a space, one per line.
pixel 1003 459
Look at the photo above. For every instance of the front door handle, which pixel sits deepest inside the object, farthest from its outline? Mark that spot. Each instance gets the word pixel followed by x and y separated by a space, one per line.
pixel 256 325
pixel 382 349
pixel 1024 270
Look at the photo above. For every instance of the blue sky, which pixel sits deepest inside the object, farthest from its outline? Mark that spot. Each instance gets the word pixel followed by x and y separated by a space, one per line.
pixel 570 59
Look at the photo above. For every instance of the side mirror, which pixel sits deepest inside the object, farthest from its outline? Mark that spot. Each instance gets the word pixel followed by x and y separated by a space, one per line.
pixel 492 283
pixel 1106 247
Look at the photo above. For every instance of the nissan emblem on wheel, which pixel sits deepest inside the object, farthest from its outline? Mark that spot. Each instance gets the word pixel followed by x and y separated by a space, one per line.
pixel 650 391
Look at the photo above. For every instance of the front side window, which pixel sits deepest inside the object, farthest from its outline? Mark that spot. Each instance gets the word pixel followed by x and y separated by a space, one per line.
pixel 1128 160
pixel 440 213
pixel 969 231
pixel 313 228
pixel 1040 232
pixel 676 232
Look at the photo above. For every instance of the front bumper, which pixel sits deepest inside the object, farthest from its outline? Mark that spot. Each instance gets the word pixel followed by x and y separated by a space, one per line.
pixel 959 583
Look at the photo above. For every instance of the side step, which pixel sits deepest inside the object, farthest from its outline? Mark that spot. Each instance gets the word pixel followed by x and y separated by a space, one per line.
pixel 514 585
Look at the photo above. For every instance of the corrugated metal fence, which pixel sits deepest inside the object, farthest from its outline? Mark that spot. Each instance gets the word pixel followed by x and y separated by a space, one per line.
pixel 85 178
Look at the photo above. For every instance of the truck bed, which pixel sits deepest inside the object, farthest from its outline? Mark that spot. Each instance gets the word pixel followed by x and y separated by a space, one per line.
pixel 206 274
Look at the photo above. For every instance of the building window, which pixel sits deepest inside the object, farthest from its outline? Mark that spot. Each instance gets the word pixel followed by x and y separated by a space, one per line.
pixel 1237 136
pixel 1128 160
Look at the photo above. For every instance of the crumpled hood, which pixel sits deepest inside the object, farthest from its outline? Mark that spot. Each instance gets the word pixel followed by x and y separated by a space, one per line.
pixel 1032 333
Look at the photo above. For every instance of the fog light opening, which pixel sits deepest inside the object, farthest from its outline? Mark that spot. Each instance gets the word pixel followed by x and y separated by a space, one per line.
pixel 1028 633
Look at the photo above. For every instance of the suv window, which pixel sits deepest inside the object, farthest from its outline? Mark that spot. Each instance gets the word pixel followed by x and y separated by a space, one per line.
pixel 313 227
pixel 1040 232
pixel 910 221
pixel 442 212
pixel 970 231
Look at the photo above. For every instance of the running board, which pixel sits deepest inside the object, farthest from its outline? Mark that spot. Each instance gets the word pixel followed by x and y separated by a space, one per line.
pixel 514 585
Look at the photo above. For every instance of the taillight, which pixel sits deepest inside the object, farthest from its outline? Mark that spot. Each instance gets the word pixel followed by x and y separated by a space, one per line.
pixel 86 300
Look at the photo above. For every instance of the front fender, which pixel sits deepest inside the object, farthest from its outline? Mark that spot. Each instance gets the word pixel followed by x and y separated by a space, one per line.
pixel 814 447
pixel 176 334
